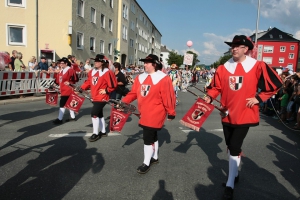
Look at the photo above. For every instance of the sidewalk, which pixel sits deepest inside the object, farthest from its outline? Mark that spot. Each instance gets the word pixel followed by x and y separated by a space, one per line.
pixel 16 99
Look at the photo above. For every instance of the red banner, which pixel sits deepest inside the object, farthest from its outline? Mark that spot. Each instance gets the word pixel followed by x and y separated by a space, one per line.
pixel 74 102
pixel 51 98
pixel 117 120
pixel 197 114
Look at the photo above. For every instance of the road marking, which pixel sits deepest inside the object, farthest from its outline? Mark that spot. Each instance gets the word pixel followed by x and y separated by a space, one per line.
pixel 212 130
pixel 80 134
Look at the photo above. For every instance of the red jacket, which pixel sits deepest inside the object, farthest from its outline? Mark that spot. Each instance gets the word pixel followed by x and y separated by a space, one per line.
pixel 98 79
pixel 238 81
pixel 66 75
pixel 156 99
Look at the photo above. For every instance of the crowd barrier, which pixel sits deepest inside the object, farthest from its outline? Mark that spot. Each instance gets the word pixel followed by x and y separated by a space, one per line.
pixel 18 83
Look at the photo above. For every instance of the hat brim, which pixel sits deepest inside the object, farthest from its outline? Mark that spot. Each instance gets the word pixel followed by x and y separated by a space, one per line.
pixel 148 60
pixel 249 44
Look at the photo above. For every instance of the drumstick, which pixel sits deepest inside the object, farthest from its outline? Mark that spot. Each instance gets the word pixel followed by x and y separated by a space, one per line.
pixel 206 94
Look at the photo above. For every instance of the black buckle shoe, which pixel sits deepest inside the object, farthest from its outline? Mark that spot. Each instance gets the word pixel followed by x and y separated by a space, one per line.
pixel 71 120
pixel 102 134
pixel 57 121
pixel 236 180
pixel 228 193
pixel 94 137
pixel 143 169
pixel 153 161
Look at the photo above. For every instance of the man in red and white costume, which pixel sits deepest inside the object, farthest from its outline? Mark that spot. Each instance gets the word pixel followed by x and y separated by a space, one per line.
pixel 101 82
pixel 66 75
pixel 238 81
pixel 156 99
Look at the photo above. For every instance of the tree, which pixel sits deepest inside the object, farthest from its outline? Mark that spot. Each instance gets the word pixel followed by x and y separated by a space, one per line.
pixel 221 61
pixel 175 58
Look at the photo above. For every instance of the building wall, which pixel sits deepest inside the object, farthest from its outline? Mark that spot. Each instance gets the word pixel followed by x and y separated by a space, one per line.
pixel 20 16
pixel 59 25
pixel 83 24
pixel 276 55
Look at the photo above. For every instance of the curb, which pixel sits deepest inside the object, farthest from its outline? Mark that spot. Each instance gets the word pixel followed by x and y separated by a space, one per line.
pixel 21 100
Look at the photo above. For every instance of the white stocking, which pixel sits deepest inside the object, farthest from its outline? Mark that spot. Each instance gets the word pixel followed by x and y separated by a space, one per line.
pixel 102 125
pixel 95 125
pixel 234 162
pixel 148 151
pixel 72 114
pixel 155 152
pixel 61 113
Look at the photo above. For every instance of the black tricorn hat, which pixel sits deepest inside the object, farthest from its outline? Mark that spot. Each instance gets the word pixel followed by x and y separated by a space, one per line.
pixel 65 60
pixel 151 58
pixel 241 40
pixel 100 58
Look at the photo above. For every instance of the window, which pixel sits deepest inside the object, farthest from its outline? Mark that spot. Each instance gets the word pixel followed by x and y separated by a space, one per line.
pixel 109 48
pixel 92 44
pixel 281 60
pixel 102 21
pixel 101 46
pixel 291 56
pixel 271 36
pixel 80 8
pixel 292 47
pixel 132 25
pixel 125 11
pixel 124 32
pixel 111 3
pixel 110 25
pixel 132 8
pixel 268 49
pixel 93 15
pixel 280 36
pixel 282 49
pixel 131 42
pixel 17 34
pixel 79 42
pixel 267 60
pixel 130 60
pixel 16 3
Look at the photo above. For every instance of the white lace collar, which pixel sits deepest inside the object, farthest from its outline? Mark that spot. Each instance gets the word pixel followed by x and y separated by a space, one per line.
pixel 65 69
pixel 247 64
pixel 94 71
pixel 156 77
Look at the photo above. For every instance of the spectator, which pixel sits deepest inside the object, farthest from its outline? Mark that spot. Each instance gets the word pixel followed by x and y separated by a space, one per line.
pixel 43 66
pixel 284 102
pixel 11 65
pixel 19 65
pixel 81 67
pixel 87 66
pixel 121 89
pixel 52 67
pixel 32 64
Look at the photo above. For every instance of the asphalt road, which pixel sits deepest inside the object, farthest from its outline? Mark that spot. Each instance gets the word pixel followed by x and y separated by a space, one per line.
pixel 39 160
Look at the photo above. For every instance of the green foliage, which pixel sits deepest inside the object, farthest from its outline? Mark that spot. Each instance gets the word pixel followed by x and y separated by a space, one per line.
pixel 178 59
pixel 221 61
pixel 175 58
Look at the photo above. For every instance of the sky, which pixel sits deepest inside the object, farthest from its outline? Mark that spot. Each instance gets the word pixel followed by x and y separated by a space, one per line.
pixel 208 23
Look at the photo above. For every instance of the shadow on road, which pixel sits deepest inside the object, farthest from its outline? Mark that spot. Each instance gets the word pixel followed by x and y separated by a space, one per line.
pixel 54 173
pixel 162 193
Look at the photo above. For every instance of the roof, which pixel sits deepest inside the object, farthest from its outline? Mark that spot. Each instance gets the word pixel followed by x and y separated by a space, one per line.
pixel 274 34
pixel 164 49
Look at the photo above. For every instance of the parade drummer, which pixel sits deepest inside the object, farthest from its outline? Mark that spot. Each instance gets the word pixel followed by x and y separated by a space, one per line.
pixel 65 76
pixel 101 82
pixel 238 81
pixel 156 99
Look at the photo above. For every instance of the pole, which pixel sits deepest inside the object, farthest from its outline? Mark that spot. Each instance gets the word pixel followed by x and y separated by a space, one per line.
pixel 37 28
pixel 257 20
